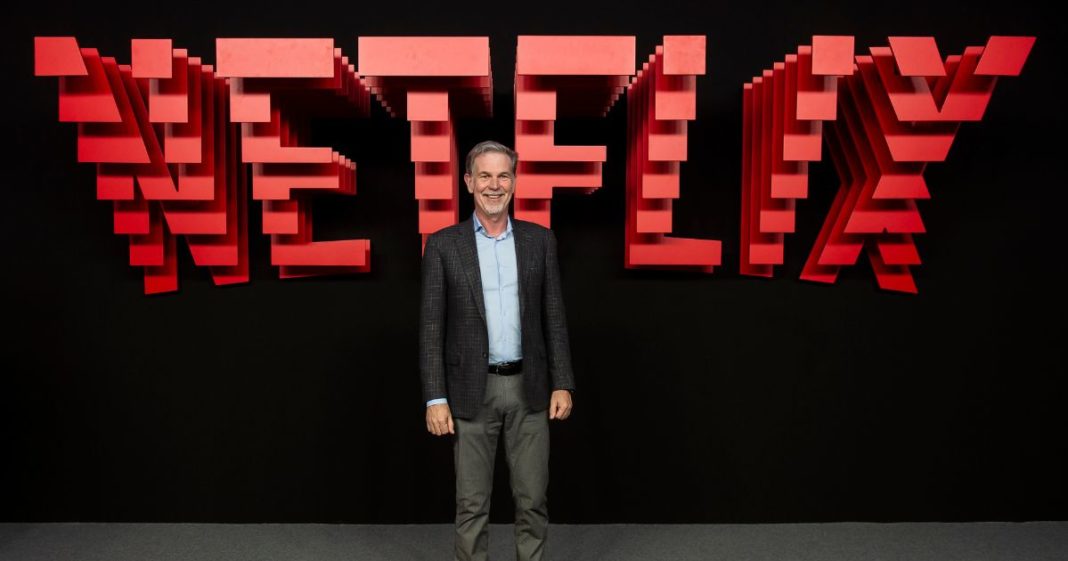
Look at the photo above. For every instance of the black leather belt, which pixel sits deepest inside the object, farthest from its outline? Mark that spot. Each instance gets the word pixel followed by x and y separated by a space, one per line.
pixel 506 368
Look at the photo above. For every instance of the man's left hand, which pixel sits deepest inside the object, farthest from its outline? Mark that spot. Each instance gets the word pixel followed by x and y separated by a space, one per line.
pixel 560 405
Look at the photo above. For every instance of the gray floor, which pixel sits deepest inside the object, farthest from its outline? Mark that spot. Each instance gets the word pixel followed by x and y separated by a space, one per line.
pixel 994 541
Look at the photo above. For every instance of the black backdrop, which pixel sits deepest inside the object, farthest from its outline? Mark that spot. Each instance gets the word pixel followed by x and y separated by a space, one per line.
pixel 701 398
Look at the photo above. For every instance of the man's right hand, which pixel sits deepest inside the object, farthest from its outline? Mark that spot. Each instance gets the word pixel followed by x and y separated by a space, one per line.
pixel 439 420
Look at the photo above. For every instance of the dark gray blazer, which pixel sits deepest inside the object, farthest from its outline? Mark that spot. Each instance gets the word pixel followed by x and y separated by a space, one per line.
pixel 453 342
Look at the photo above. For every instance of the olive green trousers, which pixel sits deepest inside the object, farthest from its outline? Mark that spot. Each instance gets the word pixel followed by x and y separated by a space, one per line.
pixel 526 445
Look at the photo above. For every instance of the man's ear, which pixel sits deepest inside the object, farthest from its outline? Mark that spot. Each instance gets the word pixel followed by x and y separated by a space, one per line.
pixel 467 181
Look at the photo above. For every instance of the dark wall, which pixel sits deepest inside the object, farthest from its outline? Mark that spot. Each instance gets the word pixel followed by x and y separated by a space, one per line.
pixel 701 398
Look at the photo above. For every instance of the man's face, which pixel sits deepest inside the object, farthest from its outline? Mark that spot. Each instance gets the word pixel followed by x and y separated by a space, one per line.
pixel 491 182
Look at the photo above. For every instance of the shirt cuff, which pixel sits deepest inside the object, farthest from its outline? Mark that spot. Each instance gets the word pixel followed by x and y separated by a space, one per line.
pixel 436 401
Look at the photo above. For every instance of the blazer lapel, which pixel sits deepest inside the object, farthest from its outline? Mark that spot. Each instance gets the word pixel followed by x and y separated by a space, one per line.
pixel 469 261
pixel 522 258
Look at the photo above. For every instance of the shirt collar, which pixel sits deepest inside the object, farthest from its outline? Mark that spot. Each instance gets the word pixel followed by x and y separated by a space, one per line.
pixel 480 228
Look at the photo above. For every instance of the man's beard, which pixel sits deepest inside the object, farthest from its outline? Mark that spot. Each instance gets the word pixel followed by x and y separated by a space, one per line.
pixel 493 207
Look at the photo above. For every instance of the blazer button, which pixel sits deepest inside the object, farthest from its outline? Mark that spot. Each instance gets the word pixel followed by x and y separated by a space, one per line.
pixel 485 355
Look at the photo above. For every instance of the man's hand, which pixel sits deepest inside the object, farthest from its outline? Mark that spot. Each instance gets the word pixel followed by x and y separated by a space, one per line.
pixel 439 419
pixel 560 405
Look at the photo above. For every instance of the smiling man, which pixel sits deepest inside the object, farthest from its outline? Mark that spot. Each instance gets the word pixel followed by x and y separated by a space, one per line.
pixel 494 355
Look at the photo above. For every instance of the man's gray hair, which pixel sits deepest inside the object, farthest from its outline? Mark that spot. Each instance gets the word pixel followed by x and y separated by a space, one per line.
pixel 491 146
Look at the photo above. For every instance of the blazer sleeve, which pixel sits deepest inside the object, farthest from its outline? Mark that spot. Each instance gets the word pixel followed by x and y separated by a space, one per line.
pixel 432 323
pixel 554 321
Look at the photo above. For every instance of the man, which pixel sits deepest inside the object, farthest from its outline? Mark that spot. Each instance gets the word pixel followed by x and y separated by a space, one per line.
pixel 494 355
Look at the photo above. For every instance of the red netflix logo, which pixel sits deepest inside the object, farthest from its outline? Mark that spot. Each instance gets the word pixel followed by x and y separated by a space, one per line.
pixel 171 137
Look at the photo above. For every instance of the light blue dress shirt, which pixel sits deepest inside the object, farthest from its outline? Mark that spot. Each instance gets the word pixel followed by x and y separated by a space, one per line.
pixel 500 293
